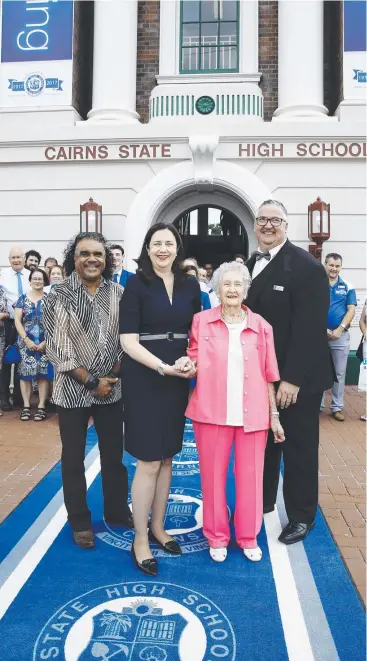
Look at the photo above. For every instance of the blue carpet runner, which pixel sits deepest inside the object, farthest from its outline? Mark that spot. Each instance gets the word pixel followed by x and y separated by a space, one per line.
pixel 59 602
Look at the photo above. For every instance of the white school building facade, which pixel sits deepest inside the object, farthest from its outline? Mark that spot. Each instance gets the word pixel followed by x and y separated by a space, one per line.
pixel 186 112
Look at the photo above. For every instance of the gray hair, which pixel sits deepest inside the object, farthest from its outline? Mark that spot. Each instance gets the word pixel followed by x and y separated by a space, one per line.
pixel 224 268
pixel 190 260
pixel 275 203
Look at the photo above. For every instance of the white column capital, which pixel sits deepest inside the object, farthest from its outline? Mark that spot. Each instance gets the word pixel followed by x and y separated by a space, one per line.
pixel 300 60
pixel 114 62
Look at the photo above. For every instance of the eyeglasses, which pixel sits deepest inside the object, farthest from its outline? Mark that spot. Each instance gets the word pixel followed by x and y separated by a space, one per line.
pixel 274 222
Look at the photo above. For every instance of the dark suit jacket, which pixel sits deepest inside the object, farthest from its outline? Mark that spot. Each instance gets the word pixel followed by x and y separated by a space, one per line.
pixel 292 294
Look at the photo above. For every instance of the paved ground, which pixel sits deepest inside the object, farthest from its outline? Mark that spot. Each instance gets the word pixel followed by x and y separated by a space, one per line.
pixel 29 450
pixel 343 483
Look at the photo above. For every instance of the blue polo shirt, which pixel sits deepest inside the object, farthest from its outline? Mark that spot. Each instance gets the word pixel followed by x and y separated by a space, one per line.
pixel 342 294
pixel 205 301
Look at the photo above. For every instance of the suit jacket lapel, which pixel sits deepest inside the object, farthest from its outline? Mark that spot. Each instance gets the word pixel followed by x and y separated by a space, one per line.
pixel 251 263
pixel 259 282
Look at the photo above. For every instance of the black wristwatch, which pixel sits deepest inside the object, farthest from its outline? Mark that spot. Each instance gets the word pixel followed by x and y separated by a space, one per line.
pixel 92 382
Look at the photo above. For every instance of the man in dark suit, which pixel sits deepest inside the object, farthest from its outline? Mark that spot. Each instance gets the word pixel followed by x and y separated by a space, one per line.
pixel 120 275
pixel 290 290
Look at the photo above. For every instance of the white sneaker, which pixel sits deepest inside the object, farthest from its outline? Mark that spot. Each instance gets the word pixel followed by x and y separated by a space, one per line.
pixel 219 554
pixel 254 555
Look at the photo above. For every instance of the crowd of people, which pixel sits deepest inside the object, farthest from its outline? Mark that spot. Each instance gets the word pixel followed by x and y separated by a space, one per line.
pixel 23 288
pixel 245 351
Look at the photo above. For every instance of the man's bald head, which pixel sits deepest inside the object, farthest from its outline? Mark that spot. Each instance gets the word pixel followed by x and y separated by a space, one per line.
pixel 17 258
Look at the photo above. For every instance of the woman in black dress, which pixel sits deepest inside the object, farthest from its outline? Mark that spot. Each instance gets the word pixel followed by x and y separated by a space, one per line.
pixel 156 312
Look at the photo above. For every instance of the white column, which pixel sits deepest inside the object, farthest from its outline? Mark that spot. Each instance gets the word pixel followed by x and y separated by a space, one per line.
pixel 300 60
pixel 114 62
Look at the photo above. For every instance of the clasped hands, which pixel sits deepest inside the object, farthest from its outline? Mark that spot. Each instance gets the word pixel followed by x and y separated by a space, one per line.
pixel 183 367
pixel 32 346
pixel 105 386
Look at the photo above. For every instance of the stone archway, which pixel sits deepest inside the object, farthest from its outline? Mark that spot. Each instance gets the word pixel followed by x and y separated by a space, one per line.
pixel 176 187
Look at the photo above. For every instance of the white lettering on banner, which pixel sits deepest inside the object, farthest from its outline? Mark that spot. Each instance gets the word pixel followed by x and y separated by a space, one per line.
pixel 27 40
pixel 25 37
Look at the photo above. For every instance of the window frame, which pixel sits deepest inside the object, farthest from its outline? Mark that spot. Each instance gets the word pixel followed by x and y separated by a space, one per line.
pixel 219 21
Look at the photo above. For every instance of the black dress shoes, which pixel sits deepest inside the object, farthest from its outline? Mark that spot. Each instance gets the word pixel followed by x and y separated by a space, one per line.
pixel 295 532
pixel 126 522
pixel 149 566
pixel 84 539
pixel 6 406
pixel 170 547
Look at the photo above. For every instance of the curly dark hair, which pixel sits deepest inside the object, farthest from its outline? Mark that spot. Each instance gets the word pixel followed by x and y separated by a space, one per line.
pixel 145 268
pixel 33 253
pixel 69 253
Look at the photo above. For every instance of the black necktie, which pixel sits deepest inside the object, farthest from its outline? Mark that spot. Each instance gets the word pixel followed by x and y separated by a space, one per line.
pixel 260 255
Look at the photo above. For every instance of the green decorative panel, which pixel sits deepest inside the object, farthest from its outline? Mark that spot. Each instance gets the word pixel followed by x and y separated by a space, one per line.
pixel 205 105
pixel 187 105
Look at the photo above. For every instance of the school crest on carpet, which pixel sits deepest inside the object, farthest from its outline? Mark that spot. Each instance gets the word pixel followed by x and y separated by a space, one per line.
pixel 138 622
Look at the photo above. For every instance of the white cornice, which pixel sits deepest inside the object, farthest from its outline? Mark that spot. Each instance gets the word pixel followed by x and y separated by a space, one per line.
pixel 238 130
pixel 209 78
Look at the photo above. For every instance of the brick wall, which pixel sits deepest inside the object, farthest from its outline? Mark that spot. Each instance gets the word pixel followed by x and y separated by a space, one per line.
pixel 148 54
pixel 268 55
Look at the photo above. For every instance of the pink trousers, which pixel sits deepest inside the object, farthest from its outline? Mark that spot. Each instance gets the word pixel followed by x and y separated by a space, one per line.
pixel 214 445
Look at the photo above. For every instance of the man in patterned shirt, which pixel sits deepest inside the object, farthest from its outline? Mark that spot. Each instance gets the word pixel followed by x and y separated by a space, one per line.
pixel 82 342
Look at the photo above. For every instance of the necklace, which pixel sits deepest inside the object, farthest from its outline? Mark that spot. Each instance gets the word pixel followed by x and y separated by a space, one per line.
pixel 233 318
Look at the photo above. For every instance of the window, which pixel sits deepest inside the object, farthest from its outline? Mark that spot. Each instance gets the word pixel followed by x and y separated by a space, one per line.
pixel 209 36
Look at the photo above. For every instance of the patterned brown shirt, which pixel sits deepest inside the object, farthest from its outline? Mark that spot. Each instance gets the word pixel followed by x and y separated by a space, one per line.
pixel 82 330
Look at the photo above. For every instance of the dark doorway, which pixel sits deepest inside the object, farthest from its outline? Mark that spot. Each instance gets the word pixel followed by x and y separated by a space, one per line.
pixel 212 235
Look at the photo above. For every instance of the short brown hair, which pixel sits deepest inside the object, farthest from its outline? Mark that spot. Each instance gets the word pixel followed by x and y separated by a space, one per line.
pixel 333 255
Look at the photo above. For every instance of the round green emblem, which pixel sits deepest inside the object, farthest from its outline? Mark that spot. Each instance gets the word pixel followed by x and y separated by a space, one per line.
pixel 205 105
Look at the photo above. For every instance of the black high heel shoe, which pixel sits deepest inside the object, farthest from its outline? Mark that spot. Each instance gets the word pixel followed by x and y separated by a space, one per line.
pixel 172 547
pixel 149 566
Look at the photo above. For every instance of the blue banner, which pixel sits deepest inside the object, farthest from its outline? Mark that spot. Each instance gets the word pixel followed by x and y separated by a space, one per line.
pixel 35 85
pixel 36 30
pixel 354 25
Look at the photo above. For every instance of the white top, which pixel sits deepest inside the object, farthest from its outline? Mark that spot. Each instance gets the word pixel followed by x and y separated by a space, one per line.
pixel 262 263
pixel 235 375
pixel 9 280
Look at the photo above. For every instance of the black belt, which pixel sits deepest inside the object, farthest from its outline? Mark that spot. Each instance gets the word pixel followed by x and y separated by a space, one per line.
pixel 165 336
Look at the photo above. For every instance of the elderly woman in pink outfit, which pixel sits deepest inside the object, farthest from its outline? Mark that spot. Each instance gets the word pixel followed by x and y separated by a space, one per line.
pixel 233 402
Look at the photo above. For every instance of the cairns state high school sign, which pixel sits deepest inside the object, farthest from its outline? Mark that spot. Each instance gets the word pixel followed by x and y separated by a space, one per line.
pixel 242 150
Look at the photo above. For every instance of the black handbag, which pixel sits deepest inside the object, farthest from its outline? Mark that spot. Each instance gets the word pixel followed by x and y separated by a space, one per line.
pixel 359 352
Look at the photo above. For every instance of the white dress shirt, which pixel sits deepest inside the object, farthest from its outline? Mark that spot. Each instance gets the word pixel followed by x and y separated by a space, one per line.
pixel 9 280
pixel 118 273
pixel 235 375
pixel 261 264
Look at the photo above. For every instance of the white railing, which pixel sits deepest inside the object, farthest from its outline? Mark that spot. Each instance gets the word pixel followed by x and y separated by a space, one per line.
pixel 227 52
